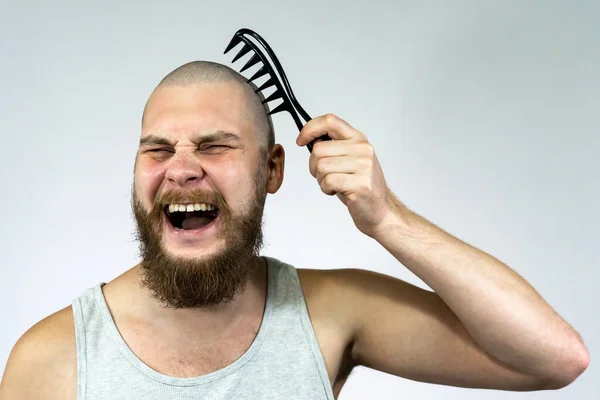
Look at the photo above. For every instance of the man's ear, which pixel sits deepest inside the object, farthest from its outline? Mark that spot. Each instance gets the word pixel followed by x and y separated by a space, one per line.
pixel 275 165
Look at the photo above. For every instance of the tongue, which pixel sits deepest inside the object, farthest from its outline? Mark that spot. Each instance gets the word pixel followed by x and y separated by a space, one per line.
pixel 195 222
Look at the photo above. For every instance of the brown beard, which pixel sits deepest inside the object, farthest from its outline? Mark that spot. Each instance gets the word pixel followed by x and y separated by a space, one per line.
pixel 180 282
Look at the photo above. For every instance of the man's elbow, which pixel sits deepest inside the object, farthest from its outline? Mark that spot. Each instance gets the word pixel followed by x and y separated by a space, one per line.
pixel 570 370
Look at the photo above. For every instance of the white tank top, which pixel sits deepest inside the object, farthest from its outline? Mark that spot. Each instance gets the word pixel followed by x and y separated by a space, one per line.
pixel 283 362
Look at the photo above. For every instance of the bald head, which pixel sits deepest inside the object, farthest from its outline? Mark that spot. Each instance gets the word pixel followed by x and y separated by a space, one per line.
pixel 199 72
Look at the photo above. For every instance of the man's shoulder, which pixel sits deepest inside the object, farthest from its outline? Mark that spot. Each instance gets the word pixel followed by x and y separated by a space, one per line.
pixel 50 341
pixel 339 281
pixel 43 362
pixel 341 294
pixel 334 299
pixel 334 292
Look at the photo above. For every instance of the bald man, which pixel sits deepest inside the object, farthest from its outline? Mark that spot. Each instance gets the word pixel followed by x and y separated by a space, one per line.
pixel 204 316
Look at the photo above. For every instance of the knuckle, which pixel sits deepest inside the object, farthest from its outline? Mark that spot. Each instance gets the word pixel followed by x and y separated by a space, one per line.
pixel 317 149
pixel 330 118
pixel 366 162
pixel 324 184
pixel 329 181
pixel 319 175
pixel 321 163
pixel 312 167
pixel 368 148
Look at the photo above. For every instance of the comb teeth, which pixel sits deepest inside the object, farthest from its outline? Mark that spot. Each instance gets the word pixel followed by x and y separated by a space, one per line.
pixel 275 76
pixel 253 60
pixel 262 71
pixel 275 95
pixel 234 42
pixel 241 53
pixel 279 108
pixel 268 83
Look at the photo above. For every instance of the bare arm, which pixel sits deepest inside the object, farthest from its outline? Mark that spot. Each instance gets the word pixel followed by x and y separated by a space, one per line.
pixel 483 320
pixel 43 362
pixel 484 326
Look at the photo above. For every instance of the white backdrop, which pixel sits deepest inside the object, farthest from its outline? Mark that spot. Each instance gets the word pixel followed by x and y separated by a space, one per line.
pixel 483 114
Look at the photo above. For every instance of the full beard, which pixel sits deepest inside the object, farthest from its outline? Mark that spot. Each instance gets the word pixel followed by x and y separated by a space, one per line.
pixel 180 282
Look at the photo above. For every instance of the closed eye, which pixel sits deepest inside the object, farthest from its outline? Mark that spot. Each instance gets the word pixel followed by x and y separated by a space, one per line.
pixel 214 147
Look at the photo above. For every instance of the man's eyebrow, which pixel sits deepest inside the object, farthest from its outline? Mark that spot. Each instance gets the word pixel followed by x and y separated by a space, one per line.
pixel 216 136
pixel 152 139
pixel 211 137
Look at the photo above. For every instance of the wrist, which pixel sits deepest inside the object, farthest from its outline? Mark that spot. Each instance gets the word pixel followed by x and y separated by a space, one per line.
pixel 397 221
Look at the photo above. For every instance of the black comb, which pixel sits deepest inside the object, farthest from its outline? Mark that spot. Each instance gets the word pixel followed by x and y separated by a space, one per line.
pixel 282 87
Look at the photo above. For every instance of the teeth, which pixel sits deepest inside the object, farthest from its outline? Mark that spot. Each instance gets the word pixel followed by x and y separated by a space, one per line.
pixel 190 207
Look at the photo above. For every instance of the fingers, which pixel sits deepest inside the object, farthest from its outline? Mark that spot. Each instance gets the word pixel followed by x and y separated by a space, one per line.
pixel 338 183
pixel 339 156
pixel 340 174
pixel 330 165
pixel 329 124
pixel 334 183
pixel 342 165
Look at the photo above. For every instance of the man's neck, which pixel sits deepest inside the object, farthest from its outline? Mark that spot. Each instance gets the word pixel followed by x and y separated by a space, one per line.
pixel 127 298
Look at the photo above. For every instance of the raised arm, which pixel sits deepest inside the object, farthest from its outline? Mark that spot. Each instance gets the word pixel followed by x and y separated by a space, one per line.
pixel 483 326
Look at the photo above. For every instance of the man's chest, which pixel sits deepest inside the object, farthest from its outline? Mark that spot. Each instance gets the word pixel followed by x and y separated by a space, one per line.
pixel 188 359
pixel 181 356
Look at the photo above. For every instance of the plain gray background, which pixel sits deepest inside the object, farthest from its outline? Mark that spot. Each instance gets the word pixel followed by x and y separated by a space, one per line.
pixel 483 114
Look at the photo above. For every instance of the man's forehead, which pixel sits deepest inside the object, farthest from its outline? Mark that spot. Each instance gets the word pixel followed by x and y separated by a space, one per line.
pixel 191 109
pixel 214 93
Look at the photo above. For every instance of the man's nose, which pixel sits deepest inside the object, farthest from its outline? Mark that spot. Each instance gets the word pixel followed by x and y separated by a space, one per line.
pixel 184 172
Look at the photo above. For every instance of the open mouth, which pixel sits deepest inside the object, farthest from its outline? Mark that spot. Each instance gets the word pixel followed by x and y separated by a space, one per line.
pixel 190 216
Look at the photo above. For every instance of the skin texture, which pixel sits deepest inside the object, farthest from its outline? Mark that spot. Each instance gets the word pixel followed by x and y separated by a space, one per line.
pixel 510 338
